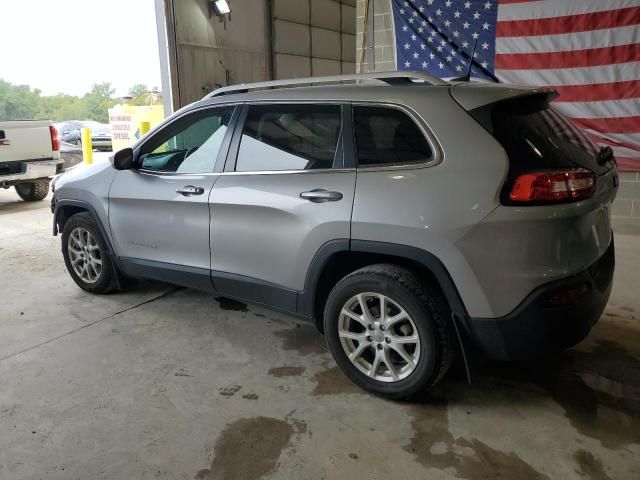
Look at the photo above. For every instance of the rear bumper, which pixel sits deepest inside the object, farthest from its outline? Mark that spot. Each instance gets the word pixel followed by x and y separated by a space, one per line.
pixel 542 323
pixel 32 171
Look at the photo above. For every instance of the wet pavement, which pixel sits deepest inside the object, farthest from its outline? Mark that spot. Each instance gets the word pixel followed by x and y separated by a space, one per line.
pixel 166 382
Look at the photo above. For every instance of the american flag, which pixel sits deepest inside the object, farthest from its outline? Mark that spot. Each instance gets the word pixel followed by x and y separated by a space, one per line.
pixel 588 50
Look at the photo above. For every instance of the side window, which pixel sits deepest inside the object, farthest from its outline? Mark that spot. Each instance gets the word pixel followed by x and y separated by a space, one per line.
pixel 190 145
pixel 289 137
pixel 387 136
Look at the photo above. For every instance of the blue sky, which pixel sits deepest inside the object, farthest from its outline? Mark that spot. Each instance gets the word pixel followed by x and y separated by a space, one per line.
pixel 64 46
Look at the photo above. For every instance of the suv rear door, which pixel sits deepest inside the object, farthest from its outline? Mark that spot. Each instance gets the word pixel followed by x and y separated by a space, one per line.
pixel 285 193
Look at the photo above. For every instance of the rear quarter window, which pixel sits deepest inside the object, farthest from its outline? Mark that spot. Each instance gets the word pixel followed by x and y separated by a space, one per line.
pixel 388 136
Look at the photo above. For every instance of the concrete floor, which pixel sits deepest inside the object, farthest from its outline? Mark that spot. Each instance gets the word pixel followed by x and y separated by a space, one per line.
pixel 164 382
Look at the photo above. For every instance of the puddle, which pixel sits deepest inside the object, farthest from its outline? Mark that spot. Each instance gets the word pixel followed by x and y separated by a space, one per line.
pixel 333 382
pixel 286 371
pixel 248 449
pixel 232 305
pixel 435 447
pixel 304 339
pixel 590 466
pixel 599 391
pixel 229 391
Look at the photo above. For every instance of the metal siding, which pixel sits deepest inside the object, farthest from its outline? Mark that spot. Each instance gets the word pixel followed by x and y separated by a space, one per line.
pixel 319 32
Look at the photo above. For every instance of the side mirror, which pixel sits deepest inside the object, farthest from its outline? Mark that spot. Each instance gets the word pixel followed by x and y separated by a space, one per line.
pixel 123 159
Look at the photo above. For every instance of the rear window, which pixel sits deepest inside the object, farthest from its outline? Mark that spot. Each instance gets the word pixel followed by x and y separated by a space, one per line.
pixel 535 135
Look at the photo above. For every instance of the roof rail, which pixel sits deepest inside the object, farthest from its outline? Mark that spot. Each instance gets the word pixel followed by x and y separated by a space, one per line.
pixel 390 78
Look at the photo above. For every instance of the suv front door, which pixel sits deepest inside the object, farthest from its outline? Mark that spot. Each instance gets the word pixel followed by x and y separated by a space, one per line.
pixel 285 193
pixel 159 211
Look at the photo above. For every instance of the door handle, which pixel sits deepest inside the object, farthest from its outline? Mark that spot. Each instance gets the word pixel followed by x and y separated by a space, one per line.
pixel 320 195
pixel 190 190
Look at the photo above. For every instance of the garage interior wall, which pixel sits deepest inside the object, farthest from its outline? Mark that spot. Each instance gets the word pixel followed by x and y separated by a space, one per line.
pixel 206 51
pixel 375 38
pixel 313 37
pixel 259 40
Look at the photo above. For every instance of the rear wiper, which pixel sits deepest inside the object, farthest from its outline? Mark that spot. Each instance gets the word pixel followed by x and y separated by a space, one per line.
pixel 605 155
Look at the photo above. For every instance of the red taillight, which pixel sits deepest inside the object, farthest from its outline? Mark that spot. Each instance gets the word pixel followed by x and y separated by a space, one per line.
pixel 55 141
pixel 555 186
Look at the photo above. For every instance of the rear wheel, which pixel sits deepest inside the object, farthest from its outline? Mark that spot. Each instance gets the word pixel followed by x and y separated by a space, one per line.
pixel 388 331
pixel 86 255
pixel 33 191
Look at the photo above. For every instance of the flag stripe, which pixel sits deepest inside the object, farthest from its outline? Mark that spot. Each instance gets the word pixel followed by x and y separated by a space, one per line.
pixel 559 8
pixel 617 139
pixel 569 41
pixel 569 23
pixel 603 109
pixel 570 59
pixel 627 164
pixel 606 141
pixel 573 76
pixel 598 91
pixel 507 2
pixel 626 152
pixel 613 125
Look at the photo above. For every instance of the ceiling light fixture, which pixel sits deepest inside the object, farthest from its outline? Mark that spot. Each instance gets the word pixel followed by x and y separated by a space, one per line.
pixel 221 7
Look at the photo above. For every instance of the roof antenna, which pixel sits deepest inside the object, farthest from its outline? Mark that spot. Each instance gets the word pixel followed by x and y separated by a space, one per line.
pixel 467 77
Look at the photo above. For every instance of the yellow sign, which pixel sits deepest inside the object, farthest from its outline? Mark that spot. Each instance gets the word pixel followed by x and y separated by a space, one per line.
pixel 130 122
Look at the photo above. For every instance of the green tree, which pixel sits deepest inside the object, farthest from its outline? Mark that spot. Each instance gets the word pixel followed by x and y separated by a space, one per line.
pixel 139 94
pixel 97 102
pixel 18 102
pixel 61 107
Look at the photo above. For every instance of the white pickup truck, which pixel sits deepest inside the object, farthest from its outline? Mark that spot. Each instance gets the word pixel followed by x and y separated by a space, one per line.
pixel 29 157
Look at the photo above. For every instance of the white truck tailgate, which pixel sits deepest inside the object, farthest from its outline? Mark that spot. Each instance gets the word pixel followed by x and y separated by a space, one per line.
pixel 26 140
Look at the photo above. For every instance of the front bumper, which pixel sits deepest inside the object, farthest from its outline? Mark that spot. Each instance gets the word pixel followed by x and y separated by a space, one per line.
pixel 539 325
pixel 32 171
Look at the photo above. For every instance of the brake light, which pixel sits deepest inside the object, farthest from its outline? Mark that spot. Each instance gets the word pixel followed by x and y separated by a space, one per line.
pixel 554 186
pixel 55 140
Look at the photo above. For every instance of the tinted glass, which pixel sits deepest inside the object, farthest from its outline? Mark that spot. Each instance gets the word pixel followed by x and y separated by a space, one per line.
pixel 289 137
pixel 536 135
pixel 388 136
pixel 191 145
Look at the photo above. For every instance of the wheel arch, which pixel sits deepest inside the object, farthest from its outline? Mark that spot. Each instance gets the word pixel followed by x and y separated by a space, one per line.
pixel 338 258
pixel 64 209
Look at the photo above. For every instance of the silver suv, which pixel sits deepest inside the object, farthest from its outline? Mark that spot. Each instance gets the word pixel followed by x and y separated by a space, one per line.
pixel 409 218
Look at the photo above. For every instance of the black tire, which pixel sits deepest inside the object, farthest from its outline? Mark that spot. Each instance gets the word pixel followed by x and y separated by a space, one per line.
pixel 108 280
pixel 426 307
pixel 34 191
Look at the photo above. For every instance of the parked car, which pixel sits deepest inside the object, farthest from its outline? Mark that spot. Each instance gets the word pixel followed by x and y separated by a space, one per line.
pixel 406 221
pixel 69 131
pixel 100 134
pixel 29 157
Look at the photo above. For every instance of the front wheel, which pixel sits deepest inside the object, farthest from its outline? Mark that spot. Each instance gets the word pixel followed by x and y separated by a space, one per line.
pixel 33 191
pixel 86 255
pixel 388 331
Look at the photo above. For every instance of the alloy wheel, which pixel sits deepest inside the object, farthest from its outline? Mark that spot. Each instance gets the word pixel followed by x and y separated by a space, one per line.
pixel 379 337
pixel 84 255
